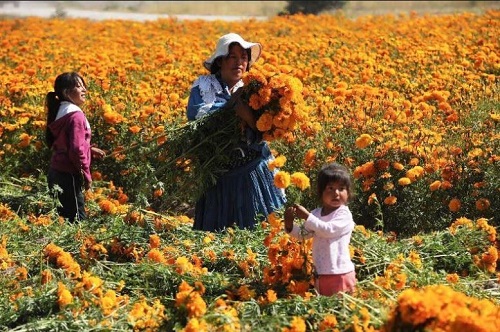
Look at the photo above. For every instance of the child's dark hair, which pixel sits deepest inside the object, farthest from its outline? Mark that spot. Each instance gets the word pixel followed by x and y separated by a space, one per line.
pixel 333 172
pixel 63 84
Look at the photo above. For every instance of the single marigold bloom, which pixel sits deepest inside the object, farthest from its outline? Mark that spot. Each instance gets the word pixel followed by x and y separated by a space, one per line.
pixel 300 180
pixel 404 181
pixel 398 166
pixel 454 205
pixel 390 200
pixel 282 179
pixel 435 185
pixel 452 278
pixel 363 141
pixel 482 204
pixel 64 296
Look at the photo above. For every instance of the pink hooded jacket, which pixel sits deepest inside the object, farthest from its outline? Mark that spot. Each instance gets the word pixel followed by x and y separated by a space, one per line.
pixel 71 147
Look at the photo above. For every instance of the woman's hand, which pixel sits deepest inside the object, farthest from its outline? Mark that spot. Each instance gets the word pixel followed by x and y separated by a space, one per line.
pixel 97 153
pixel 246 114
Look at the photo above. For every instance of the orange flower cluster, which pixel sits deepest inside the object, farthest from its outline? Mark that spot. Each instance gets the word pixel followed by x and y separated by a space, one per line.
pixel 190 299
pixel 487 259
pixel 63 260
pixel 440 308
pixel 277 100
pixel 146 317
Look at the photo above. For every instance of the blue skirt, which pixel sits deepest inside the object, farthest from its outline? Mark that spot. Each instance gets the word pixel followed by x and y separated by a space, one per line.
pixel 240 198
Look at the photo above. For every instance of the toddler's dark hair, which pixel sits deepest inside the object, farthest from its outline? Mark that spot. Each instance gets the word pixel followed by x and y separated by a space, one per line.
pixel 333 172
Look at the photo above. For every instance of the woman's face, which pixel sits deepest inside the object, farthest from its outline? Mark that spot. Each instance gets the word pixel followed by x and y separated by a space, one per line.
pixel 234 65
pixel 78 94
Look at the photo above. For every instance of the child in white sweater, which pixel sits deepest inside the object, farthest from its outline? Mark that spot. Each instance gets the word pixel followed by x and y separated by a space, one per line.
pixel 330 226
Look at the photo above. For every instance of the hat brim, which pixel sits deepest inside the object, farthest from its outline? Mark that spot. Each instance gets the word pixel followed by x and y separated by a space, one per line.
pixel 223 50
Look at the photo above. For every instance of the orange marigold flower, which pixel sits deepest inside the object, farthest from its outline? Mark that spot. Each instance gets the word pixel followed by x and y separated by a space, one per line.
pixel 482 204
pixel 277 162
pixel 265 122
pixel 390 200
pixel 328 323
pixel 454 205
pixel 271 296
pixel 154 241
pixel 452 278
pixel 64 296
pixel 310 157
pixel 300 180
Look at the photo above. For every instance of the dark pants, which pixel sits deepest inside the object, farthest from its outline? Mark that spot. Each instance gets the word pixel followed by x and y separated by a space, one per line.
pixel 71 197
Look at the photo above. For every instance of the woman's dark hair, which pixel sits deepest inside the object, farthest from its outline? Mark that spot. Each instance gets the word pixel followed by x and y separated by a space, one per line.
pixel 214 68
pixel 63 84
pixel 333 172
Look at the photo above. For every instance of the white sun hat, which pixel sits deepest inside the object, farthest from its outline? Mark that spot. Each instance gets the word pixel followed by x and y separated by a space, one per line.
pixel 222 49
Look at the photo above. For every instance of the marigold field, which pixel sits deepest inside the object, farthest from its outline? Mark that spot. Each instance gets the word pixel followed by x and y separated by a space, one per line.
pixel 410 103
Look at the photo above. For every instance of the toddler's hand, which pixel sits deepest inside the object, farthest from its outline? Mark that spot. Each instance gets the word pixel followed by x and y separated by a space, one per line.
pixel 301 212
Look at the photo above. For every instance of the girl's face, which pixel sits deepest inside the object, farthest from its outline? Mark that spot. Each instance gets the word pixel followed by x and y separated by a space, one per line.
pixel 78 94
pixel 234 65
pixel 334 195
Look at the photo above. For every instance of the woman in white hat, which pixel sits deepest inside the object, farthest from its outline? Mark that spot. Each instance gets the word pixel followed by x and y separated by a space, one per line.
pixel 247 191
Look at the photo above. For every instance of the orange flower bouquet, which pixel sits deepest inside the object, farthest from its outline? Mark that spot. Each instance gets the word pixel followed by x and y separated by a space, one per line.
pixel 278 102
pixel 204 149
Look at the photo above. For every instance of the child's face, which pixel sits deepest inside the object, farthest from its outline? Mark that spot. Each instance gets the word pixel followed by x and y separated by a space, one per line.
pixel 334 195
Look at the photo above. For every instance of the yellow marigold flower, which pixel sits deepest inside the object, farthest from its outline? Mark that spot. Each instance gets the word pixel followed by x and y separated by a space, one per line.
pixel 415 173
pixel 296 325
pixel 454 205
pixel 482 204
pixel 300 180
pixel 390 200
pixel 277 162
pixel 196 325
pixel 271 296
pixel 404 181
pixel 282 179
pixel 363 141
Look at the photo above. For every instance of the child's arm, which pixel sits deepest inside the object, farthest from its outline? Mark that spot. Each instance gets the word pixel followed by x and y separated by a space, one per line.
pixel 301 212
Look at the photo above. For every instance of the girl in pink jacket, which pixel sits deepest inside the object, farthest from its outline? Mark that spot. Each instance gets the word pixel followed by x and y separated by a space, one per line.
pixel 68 135
pixel 330 226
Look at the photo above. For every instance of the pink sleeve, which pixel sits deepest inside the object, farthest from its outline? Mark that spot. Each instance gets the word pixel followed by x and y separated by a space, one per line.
pixel 79 144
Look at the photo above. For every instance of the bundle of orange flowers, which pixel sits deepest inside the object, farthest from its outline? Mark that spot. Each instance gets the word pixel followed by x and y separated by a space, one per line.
pixel 206 145
pixel 278 102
